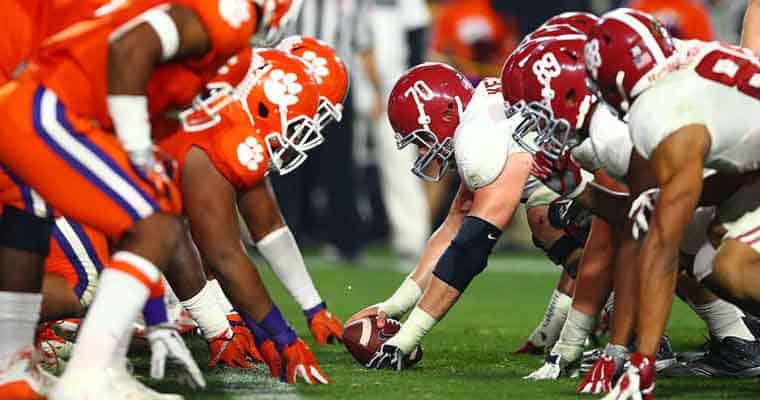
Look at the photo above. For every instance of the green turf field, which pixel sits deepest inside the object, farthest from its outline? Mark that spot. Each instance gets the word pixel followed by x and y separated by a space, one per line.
pixel 468 356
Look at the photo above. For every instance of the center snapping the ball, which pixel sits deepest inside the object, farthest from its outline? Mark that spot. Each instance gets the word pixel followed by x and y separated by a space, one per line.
pixel 363 338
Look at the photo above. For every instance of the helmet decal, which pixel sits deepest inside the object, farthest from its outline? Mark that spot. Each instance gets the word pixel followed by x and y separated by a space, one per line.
pixel 281 88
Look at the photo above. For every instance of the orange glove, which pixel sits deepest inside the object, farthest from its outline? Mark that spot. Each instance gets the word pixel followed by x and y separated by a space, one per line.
pixel 300 361
pixel 271 357
pixel 229 349
pixel 240 329
pixel 325 327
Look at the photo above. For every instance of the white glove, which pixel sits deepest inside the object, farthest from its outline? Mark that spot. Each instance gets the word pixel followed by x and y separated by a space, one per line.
pixel 166 342
pixel 549 371
pixel 641 209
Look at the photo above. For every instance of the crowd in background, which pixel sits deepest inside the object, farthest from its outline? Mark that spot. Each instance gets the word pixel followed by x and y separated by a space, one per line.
pixel 357 190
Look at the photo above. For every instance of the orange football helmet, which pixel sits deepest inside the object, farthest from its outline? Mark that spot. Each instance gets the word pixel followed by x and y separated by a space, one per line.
pixel 329 71
pixel 276 15
pixel 281 97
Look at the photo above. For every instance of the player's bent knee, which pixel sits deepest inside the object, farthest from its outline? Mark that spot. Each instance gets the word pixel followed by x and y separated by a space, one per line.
pixel 733 264
pixel 467 255
pixel 21 230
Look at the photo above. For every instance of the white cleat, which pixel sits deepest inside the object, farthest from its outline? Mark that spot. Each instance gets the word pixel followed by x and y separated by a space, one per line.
pixel 123 380
pixel 23 379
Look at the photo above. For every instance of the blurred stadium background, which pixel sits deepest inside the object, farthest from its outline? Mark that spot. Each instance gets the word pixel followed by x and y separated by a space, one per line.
pixel 356 191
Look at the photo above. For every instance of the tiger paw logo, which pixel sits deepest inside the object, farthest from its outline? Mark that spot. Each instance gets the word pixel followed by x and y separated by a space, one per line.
pixel 235 12
pixel 250 153
pixel 318 64
pixel 281 88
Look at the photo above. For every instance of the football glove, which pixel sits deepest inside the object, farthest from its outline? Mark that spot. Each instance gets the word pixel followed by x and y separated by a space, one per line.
pixel 641 210
pixel 638 381
pixel 325 327
pixel 229 349
pixel 271 357
pixel 388 356
pixel 607 366
pixel 166 343
pixel 299 361
pixel 241 330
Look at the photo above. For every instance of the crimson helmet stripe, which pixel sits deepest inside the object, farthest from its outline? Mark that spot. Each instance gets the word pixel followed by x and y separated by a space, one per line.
pixel 643 33
pixel 539 40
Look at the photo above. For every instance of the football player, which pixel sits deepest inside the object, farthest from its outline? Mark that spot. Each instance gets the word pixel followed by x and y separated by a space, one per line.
pixel 224 159
pixel 61 97
pixel 435 108
pixel 637 69
pixel 609 149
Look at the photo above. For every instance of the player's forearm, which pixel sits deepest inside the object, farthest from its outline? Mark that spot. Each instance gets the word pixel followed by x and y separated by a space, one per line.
pixel 604 203
pixel 751 27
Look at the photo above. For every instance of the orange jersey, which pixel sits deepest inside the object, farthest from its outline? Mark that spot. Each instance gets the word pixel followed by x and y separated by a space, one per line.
pixel 26 23
pixel 233 145
pixel 685 19
pixel 473 31
pixel 73 63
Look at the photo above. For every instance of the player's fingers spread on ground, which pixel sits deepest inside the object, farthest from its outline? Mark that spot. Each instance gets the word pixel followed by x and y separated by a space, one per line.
pixel 300 370
pixel 319 375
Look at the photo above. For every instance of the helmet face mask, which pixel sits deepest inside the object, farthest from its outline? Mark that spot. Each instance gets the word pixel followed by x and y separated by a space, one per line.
pixel 205 111
pixel 434 151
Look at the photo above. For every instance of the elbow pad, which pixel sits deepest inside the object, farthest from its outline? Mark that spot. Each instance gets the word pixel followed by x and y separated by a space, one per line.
pixel 467 255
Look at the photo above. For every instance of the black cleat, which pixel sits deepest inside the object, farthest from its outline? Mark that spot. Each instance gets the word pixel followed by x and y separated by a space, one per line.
pixel 666 357
pixel 730 357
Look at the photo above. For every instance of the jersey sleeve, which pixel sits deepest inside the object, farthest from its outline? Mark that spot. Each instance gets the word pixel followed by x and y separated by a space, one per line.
pixel 230 24
pixel 662 110
pixel 610 142
pixel 239 154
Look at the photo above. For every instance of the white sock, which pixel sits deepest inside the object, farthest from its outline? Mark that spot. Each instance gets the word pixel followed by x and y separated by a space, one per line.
pixel 547 332
pixel 281 251
pixel 415 327
pixel 118 301
pixel 221 298
pixel 119 359
pixel 572 339
pixel 19 314
pixel 724 319
pixel 206 311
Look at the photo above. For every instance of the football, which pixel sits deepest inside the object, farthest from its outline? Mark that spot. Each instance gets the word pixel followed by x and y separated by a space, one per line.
pixel 363 338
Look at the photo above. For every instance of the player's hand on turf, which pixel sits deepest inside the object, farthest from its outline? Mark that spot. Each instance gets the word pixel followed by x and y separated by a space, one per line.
pixel 551 369
pixel 561 173
pixel 300 362
pixel 229 349
pixel 246 336
pixel 371 311
pixel 166 343
pixel 599 379
pixel 388 356
pixel 638 381
pixel 641 210
pixel 326 327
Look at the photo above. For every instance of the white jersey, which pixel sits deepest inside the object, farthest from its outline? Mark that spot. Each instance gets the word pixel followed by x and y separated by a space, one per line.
pixel 704 84
pixel 483 140
pixel 608 145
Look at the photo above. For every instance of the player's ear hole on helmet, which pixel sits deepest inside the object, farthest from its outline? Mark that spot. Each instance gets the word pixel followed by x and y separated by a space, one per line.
pixel 263 110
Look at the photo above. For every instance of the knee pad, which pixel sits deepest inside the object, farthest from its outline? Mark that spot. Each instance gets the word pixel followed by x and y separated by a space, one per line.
pixel 561 250
pixel 21 230
pixel 467 255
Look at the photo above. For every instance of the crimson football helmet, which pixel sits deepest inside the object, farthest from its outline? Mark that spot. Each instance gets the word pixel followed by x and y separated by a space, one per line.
pixel 281 96
pixel 552 80
pixel 551 31
pixel 424 108
pixel 329 71
pixel 581 21
pixel 276 15
pixel 622 53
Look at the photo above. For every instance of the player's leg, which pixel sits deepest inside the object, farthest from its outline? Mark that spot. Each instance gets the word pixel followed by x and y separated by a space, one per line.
pixel 564 251
pixel 210 206
pixel 276 243
pixel 104 191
